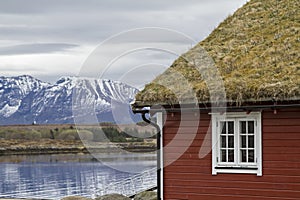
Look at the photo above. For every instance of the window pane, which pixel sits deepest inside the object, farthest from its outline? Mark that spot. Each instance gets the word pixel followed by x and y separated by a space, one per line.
pixel 230 128
pixel 251 141
pixel 223 141
pixel 230 155
pixel 243 127
pixel 223 128
pixel 244 141
pixel 244 156
pixel 251 156
pixel 223 156
pixel 230 142
pixel 251 127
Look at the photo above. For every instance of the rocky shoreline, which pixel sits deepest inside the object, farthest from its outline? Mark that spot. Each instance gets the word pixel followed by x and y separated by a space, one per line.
pixel 146 195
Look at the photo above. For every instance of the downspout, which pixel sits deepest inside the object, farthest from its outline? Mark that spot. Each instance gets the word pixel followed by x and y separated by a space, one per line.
pixel 158 143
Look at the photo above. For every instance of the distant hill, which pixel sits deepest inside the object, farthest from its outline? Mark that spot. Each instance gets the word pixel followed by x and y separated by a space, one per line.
pixel 256 51
pixel 24 99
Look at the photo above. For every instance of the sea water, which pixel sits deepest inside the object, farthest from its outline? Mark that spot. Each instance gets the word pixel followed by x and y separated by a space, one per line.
pixel 57 176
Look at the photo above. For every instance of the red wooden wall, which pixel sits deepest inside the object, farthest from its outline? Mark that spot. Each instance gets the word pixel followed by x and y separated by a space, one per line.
pixel 189 177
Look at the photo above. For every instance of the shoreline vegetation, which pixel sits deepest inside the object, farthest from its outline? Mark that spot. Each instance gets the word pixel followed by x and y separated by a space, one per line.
pixel 61 139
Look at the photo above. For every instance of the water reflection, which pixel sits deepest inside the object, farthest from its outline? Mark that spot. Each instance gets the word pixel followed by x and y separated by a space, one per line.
pixel 56 176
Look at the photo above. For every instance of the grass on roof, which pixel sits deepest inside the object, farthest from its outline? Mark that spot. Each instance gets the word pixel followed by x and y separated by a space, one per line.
pixel 256 52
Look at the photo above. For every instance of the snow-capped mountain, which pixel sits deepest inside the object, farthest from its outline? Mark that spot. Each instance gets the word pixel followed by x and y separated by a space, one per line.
pixel 14 89
pixel 24 99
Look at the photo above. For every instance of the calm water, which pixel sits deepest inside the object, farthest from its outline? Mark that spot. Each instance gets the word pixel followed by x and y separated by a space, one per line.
pixel 57 176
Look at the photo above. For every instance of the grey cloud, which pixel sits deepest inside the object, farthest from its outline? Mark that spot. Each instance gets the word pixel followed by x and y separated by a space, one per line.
pixel 87 23
pixel 17 69
pixel 45 6
pixel 35 48
pixel 92 21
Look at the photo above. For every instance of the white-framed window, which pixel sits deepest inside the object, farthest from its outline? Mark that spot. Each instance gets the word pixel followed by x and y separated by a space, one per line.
pixel 236 143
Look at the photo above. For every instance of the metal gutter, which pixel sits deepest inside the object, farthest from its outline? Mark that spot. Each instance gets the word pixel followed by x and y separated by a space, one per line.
pixel 216 108
pixel 158 144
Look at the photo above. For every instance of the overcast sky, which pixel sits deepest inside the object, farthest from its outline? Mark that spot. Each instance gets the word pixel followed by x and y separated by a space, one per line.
pixel 52 38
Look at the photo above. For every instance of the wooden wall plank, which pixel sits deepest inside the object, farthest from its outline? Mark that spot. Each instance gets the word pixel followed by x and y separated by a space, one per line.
pixel 189 177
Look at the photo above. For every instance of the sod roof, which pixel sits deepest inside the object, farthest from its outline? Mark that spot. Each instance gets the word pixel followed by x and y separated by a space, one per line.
pixel 255 52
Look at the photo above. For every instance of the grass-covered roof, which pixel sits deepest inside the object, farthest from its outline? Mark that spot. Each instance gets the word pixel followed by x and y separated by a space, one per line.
pixel 256 52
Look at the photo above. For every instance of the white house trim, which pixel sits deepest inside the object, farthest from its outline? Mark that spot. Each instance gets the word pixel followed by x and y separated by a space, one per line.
pixel 237 166
pixel 160 123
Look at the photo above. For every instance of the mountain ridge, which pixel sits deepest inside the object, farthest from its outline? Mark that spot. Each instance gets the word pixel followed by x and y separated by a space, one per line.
pixel 25 99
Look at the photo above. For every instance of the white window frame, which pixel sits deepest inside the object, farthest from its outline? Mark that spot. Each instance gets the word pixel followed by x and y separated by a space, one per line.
pixel 236 166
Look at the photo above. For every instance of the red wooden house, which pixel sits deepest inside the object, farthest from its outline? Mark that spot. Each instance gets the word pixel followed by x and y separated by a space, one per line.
pixel 245 143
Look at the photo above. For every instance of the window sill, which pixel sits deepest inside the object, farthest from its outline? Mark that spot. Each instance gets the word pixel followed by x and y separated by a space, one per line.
pixel 233 167
pixel 236 170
